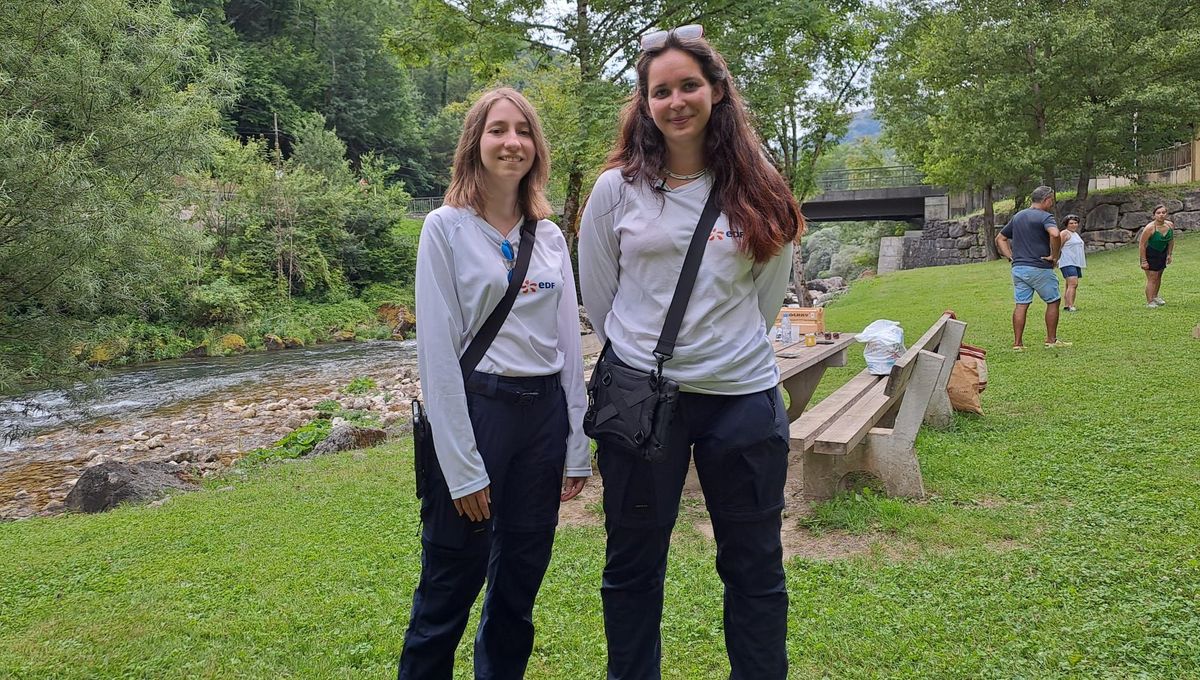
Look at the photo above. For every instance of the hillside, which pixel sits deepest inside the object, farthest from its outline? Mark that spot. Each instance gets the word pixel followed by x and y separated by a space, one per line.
pixel 1059 539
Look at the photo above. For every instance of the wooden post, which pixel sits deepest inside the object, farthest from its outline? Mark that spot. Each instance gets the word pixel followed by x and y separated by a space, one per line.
pixel 939 414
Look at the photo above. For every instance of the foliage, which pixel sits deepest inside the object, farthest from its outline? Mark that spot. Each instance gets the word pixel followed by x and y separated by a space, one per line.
pixel 1061 533
pixel 984 92
pixel 294 444
pixel 101 104
pixel 360 385
pixel 801 66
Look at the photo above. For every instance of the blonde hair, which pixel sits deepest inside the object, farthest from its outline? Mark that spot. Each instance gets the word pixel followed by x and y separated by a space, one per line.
pixel 467 177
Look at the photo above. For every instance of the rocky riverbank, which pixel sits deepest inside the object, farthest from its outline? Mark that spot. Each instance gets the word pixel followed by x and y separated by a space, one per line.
pixel 196 439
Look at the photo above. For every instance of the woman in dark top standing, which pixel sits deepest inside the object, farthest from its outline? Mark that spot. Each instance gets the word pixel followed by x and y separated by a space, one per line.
pixel 1156 244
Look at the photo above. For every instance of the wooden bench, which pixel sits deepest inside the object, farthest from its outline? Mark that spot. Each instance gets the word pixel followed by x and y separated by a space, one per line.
pixel 869 425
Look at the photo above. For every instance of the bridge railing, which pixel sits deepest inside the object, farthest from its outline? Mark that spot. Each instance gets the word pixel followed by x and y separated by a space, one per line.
pixel 870 178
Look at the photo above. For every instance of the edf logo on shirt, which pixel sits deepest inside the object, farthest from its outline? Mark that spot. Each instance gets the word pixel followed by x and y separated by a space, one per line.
pixel 718 235
pixel 534 286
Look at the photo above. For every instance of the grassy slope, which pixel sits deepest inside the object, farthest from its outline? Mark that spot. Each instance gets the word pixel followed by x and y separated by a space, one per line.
pixel 1060 540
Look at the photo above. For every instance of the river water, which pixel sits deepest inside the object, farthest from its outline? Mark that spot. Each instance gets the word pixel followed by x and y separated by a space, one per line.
pixel 46 436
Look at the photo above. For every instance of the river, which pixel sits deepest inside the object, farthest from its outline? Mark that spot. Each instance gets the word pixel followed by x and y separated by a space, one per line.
pixel 209 410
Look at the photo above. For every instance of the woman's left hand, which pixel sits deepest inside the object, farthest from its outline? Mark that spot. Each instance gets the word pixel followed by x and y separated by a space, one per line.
pixel 572 486
pixel 1168 259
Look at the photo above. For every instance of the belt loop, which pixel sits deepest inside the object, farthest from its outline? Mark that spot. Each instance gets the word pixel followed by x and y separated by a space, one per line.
pixel 493 381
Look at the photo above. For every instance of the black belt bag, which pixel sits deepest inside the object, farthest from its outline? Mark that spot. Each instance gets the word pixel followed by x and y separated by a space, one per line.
pixel 423 452
pixel 633 408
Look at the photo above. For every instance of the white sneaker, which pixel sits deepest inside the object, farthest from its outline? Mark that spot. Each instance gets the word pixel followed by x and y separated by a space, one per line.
pixel 1160 301
pixel 1153 305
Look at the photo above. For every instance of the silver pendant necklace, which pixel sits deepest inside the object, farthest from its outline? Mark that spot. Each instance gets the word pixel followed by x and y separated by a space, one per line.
pixel 685 178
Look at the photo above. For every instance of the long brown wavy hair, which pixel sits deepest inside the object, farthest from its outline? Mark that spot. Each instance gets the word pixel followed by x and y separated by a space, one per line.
pixel 466 178
pixel 751 192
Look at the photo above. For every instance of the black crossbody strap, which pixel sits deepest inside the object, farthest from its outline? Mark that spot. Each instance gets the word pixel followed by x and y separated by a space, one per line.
pixel 687 280
pixel 487 332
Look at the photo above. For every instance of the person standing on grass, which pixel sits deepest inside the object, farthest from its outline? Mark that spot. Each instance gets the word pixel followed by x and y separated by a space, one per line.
pixel 1031 242
pixel 504 435
pixel 1156 244
pixel 1072 261
pixel 685 133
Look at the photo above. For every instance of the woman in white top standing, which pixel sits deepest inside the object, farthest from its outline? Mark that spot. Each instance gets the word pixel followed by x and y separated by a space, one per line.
pixel 504 437
pixel 683 134
pixel 1072 260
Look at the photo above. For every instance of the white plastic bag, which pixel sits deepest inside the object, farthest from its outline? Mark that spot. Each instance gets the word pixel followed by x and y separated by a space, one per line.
pixel 885 344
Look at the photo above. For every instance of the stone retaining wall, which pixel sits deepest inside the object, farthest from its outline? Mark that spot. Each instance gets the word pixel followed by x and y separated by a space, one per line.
pixel 1109 221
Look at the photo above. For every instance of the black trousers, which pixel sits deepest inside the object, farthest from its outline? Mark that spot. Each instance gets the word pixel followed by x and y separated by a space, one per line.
pixel 740 448
pixel 521 430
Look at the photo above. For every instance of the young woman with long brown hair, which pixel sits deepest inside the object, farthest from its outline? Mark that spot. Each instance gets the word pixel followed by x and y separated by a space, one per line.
pixel 683 134
pixel 506 432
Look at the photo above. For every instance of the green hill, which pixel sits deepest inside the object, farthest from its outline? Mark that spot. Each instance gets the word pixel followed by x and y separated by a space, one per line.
pixel 1060 538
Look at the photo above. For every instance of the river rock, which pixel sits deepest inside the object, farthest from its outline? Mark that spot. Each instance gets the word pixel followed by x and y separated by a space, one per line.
pixel 346 436
pixel 273 342
pixel 157 441
pixel 140 436
pixel 107 485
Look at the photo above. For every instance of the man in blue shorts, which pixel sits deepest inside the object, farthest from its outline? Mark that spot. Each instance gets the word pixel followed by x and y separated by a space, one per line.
pixel 1030 242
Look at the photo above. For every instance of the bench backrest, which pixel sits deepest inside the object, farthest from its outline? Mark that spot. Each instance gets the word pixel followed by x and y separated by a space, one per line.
pixel 904 366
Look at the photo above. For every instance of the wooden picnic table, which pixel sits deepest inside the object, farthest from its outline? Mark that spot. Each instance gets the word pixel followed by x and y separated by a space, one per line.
pixel 801 368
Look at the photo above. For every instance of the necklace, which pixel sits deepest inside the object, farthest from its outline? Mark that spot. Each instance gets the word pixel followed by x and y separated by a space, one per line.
pixel 684 178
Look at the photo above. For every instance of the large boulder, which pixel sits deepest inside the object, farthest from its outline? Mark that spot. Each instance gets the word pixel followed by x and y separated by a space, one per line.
pixel 109 484
pixel 1192 201
pixel 1108 236
pixel 398 317
pixel 346 436
pixel 1103 216
pixel 273 342
pixel 1134 220
pixel 1187 221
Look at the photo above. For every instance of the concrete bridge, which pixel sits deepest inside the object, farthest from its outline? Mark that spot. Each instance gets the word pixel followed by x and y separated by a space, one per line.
pixel 895 192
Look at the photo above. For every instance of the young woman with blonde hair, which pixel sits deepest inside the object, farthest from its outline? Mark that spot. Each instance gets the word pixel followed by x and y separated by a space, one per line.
pixel 505 432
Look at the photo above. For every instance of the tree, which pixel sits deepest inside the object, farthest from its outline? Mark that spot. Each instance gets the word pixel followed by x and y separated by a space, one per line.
pixel 993 93
pixel 102 104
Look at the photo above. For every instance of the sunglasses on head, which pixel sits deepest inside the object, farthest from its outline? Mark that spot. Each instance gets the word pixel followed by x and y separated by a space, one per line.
pixel 655 40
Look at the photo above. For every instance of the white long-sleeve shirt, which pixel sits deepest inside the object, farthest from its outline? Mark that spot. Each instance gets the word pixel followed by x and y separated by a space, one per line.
pixel 461 277
pixel 631 249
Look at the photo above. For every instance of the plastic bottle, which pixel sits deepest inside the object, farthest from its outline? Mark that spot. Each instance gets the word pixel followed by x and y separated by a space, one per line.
pixel 785 325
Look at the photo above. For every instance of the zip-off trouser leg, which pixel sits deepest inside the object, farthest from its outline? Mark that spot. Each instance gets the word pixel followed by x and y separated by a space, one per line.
pixel 522 439
pixel 740 449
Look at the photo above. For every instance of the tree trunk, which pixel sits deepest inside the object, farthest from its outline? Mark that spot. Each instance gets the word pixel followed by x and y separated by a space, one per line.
pixel 802 295
pixel 571 206
pixel 989 223
pixel 1085 169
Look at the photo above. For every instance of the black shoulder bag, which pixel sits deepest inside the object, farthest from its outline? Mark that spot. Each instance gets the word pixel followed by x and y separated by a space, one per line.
pixel 423 451
pixel 634 408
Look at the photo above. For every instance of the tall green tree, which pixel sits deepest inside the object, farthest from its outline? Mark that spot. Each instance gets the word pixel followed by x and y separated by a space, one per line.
pixel 103 103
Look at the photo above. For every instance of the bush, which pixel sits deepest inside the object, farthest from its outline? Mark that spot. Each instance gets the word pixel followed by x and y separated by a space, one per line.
pixel 222 302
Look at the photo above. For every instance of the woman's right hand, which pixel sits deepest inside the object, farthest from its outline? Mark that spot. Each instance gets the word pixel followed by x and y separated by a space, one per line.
pixel 476 506
pixel 1145 265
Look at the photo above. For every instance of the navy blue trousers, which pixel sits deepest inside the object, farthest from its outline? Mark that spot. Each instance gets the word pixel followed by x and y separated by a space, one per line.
pixel 521 431
pixel 740 448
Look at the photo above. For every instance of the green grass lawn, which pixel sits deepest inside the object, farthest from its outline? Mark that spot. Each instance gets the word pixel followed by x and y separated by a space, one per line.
pixel 1061 538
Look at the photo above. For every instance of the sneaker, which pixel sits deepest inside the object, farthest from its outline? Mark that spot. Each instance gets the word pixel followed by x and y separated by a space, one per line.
pixel 1160 301
pixel 1071 309
pixel 1059 343
pixel 1153 305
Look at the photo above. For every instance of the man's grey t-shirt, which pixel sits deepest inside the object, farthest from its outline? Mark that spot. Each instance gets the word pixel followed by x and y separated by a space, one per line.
pixel 1028 231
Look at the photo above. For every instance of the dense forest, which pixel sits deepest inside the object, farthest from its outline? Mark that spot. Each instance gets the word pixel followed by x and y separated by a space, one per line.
pixel 174 172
